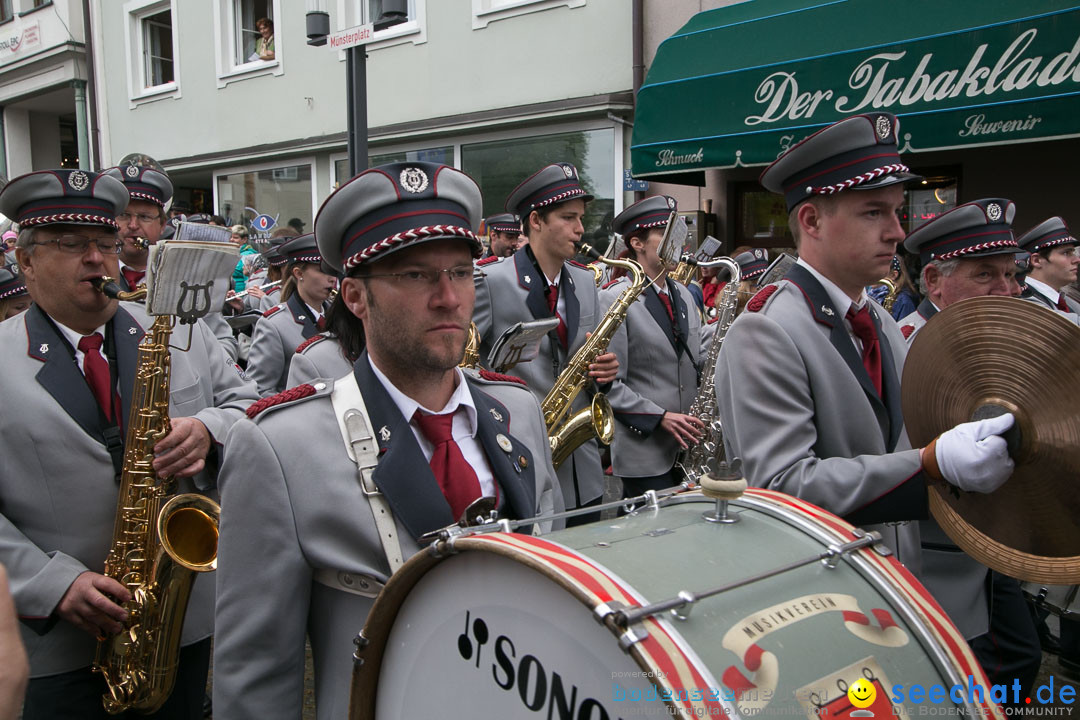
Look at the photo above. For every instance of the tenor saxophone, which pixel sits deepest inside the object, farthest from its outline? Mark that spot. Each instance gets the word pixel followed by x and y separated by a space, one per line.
pixel 160 540
pixel 695 460
pixel 597 420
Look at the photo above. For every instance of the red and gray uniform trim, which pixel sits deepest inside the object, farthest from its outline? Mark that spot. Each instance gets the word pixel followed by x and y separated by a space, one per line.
pixel 272 311
pixel 499 377
pixel 760 298
pixel 296 393
pixel 308 343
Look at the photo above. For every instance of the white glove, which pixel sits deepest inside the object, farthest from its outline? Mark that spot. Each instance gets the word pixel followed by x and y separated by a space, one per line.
pixel 973 456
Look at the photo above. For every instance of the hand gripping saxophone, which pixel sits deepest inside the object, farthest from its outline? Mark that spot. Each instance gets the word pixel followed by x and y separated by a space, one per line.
pixel 695 460
pixel 159 542
pixel 597 420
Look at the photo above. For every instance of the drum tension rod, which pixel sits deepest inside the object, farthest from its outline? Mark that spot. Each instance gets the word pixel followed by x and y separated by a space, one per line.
pixel 681 605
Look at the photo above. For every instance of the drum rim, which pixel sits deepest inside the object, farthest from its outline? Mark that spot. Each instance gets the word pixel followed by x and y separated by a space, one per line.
pixel 912 602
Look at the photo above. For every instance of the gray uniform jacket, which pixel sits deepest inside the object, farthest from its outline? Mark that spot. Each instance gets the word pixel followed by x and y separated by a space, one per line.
pixel 954 578
pixel 658 365
pixel 58 492
pixel 318 357
pixel 511 290
pixel 270 299
pixel 276 337
pixel 292 506
pixel 800 410
pixel 1036 294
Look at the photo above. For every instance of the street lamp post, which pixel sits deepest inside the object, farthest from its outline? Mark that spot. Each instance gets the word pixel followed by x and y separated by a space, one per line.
pixel 391 12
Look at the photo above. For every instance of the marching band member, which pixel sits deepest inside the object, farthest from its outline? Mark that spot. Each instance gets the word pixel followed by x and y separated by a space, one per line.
pixel 69 367
pixel 14 298
pixel 968 252
pixel 658 348
pixel 752 265
pixel 144 219
pixel 1053 264
pixel 541 280
pixel 298 317
pixel 504 233
pixel 321 540
pixel 808 381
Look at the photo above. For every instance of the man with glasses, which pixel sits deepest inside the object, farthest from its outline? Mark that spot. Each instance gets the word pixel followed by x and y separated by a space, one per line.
pixel 504 234
pixel 141 225
pixel 1053 264
pixel 69 368
pixel 322 531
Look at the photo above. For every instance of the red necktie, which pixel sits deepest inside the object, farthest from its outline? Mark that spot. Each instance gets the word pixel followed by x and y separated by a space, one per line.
pixel 133 277
pixel 553 303
pixel 667 306
pixel 863 327
pixel 455 476
pixel 321 323
pixel 1061 304
pixel 96 371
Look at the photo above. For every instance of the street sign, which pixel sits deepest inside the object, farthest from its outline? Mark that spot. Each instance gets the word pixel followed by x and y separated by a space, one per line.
pixel 629 184
pixel 351 37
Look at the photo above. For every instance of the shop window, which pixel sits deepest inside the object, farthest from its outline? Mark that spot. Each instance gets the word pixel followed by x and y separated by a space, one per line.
pixel 486 11
pixel 5 11
pixel 761 219
pixel 442 155
pixel 266 199
pixel 927 199
pixel 501 165
pixel 254 38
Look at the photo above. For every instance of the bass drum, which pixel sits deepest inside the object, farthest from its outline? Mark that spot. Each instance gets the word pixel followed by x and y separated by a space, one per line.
pixel 494 625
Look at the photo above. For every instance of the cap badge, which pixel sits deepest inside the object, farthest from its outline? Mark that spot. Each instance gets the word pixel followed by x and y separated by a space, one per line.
pixel 414 180
pixel 132 171
pixel 568 170
pixel 883 127
pixel 14 267
pixel 504 442
pixel 759 253
pixel 384 434
pixel 497 415
pixel 993 211
pixel 78 180
pixel 671 203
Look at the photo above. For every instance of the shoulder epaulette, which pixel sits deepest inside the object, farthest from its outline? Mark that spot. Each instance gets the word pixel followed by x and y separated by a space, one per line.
pixel 907 330
pixel 295 393
pixel 271 311
pixel 499 377
pixel 610 283
pixel 309 342
pixel 758 301
pixel 488 260
pixel 575 263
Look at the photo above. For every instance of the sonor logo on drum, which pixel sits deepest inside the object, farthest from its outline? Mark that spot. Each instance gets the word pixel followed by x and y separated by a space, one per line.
pixel 538 688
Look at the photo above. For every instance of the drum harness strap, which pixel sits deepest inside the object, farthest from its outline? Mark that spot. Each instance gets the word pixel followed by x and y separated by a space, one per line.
pixel 355 426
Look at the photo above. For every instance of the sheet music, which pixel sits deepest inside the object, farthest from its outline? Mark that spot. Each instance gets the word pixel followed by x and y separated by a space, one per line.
pixel 189 274
pixel 520 343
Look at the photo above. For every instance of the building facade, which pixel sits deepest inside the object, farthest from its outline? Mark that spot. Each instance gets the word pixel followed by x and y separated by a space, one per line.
pixel 44 86
pixel 497 88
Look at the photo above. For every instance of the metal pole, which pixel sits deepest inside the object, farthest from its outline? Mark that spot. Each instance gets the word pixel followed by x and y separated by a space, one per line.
pixel 82 137
pixel 356 97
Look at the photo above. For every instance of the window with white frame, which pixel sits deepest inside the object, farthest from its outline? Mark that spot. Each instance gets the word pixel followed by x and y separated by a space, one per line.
pixel 363 12
pixel 253 31
pixel 485 11
pixel 156 34
pixel 5 11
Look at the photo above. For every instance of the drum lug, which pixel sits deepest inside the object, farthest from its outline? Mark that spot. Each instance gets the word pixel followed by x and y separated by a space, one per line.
pixel 631 637
pixel 361 644
pixel 682 612
pixel 609 613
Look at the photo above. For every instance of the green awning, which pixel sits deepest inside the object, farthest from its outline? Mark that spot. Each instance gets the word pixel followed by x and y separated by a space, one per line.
pixel 738 85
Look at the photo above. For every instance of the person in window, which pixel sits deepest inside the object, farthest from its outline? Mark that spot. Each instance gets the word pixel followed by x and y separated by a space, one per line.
pixel 264 46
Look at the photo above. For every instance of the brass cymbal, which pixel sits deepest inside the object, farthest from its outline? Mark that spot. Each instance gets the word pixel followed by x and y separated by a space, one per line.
pixel 1025 358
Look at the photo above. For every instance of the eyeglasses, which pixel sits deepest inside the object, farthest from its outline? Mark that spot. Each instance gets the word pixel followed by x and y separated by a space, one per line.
pixel 420 279
pixel 79 244
pixel 143 218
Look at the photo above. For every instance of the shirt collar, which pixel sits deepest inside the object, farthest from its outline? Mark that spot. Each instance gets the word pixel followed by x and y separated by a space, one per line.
pixel 837 297
pixel 74 337
pixel 1043 289
pixel 408 407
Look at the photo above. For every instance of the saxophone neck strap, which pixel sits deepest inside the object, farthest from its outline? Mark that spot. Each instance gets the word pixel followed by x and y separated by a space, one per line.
pixel 355 426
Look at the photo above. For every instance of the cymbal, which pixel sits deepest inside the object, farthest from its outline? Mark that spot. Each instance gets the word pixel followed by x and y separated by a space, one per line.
pixel 1025 358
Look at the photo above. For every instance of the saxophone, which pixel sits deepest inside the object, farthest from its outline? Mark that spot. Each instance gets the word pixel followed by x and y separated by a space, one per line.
pixel 158 544
pixel 597 419
pixel 471 357
pixel 684 271
pixel 695 459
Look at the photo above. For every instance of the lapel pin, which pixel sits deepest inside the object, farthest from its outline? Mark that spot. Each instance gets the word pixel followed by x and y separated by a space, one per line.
pixel 504 442
pixel 497 416
pixel 384 433
pixel 132 331
pixel 827 310
pixel 301 317
pixel 523 461
pixel 528 279
pixel 44 348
